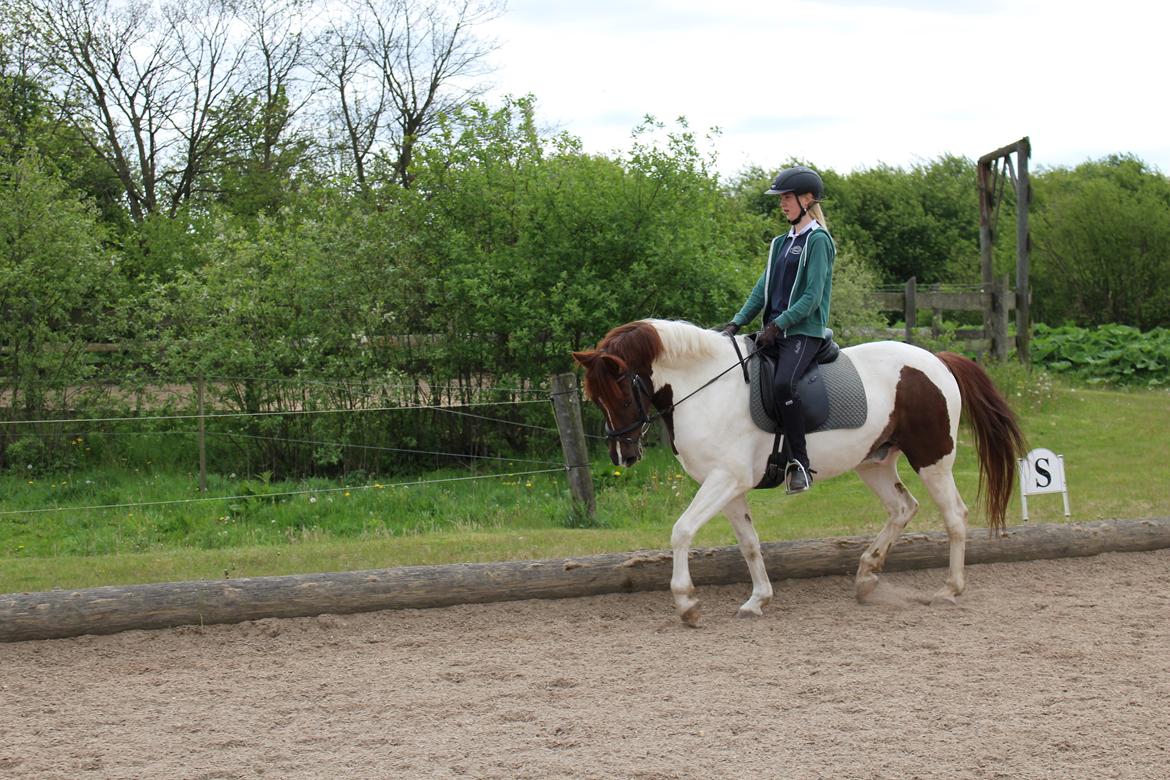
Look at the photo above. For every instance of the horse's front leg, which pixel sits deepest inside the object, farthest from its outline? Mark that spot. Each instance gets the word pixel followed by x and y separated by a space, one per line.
pixel 713 494
pixel 749 544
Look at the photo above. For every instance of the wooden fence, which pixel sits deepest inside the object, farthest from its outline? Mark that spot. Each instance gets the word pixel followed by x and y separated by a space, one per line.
pixel 997 301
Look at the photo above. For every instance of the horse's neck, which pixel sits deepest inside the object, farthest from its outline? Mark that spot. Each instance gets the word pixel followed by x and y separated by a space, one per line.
pixel 686 375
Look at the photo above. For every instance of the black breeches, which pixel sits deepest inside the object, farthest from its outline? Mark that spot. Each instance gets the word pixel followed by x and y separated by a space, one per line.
pixel 793 355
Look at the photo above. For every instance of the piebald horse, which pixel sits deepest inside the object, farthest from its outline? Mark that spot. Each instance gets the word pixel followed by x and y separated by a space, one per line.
pixel 914 402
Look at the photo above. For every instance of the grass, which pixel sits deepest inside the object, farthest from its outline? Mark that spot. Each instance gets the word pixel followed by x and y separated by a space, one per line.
pixel 1114 442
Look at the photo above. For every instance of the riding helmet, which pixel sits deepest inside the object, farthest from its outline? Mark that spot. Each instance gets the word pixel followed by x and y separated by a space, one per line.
pixel 798 180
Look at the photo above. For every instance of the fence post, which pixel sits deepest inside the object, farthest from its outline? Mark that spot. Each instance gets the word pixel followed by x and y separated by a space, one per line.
pixel 567 409
pixel 999 319
pixel 911 307
pixel 935 311
pixel 1023 252
pixel 202 440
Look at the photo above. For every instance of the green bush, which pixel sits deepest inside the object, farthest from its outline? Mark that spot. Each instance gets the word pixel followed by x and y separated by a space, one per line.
pixel 1114 354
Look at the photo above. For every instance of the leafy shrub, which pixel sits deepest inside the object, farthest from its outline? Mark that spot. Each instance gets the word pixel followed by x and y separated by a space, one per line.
pixel 1114 354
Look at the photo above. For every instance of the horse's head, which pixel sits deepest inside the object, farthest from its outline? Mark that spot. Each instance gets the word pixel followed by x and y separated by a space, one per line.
pixel 618 378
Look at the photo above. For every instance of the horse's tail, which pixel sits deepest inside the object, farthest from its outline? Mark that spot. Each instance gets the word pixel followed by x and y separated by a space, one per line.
pixel 998 438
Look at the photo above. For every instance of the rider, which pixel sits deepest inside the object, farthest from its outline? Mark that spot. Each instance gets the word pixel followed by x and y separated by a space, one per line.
pixel 793 293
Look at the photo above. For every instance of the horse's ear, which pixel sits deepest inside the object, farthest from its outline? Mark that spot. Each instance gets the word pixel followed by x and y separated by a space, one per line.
pixel 614 364
pixel 585 358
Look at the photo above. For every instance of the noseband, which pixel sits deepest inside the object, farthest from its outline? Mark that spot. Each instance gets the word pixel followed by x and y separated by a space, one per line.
pixel 638 388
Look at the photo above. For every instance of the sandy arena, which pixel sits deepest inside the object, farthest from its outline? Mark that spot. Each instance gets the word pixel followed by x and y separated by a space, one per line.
pixel 1052 669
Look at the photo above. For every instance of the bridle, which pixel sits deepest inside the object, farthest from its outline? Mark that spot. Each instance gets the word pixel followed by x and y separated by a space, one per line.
pixel 638 388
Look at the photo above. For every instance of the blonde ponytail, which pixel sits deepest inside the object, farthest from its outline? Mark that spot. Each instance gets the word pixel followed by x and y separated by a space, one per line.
pixel 818 214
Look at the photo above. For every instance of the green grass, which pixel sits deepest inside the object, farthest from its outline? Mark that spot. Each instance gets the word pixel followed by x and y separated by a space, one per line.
pixel 1115 445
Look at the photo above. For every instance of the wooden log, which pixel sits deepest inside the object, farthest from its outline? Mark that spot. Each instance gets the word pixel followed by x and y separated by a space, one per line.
pixel 106 610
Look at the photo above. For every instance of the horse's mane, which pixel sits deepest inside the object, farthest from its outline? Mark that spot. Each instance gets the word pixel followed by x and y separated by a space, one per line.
pixel 639 345
pixel 682 340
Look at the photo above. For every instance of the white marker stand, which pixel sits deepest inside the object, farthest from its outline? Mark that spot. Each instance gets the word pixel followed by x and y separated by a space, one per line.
pixel 1042 471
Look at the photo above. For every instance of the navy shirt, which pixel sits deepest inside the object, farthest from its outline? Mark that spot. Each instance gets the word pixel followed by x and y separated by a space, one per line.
pixel 784 269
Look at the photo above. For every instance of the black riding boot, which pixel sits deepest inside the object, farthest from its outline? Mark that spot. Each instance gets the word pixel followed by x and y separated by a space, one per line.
pixel 797 475
pixel 794 353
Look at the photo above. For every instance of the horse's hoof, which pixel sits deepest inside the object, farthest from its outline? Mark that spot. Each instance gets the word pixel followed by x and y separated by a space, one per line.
pixel 690 618
pixel 865 588
pixel 749 614
pixel 944 598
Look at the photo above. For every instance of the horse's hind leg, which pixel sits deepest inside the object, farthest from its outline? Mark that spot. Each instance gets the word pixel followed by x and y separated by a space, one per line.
pixel 882 478
pixel 940 481
pixel 749 544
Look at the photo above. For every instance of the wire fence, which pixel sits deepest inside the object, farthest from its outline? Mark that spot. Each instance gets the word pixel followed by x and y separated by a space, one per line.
pixel 89 428
pixel 272 495
pixel 273 413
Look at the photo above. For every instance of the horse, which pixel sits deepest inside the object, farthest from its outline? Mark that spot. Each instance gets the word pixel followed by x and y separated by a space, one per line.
pixel 914 402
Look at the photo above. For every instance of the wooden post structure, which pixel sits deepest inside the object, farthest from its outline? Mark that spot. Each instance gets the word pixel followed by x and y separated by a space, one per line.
pixel 999 319
pixel 1023 252
pixel 935 311
pixel 991 186
pixel 911 307
pixel 202 439
pixel 567 409
pixel 986 244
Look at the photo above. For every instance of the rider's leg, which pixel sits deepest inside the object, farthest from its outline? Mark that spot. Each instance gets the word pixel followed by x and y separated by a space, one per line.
pixel 794 355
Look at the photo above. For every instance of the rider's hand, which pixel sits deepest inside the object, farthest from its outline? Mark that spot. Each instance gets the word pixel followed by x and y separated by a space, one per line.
pixel 768 336
pixel 730 329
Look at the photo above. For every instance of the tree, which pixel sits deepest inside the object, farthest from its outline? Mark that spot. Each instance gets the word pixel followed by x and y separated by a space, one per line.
pixel 269 148
pixel 57 291
pixel 1102 244
pixel 394 67
pixel 167 96
pixel 29 125
pixel 923 222
pixel 357 96
pixel 111 68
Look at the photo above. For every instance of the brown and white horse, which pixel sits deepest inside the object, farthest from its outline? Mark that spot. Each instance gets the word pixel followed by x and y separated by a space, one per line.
pixel 914 401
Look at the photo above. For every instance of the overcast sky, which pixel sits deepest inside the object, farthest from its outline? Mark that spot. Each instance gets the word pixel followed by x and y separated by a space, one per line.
pixel 849 84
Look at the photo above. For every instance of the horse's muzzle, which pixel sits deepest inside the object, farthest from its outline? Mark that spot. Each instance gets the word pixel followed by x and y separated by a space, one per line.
pixel 625 453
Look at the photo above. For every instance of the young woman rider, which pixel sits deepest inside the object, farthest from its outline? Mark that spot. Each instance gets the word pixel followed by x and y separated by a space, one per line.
pixel 794 293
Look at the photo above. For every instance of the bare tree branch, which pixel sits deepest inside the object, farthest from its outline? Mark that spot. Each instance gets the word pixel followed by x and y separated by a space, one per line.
pixel 111 70
pixel 394 66
pixel 343 62
pixel 429 71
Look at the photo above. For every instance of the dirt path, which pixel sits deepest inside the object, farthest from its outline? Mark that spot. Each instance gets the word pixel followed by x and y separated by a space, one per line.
pixel 1054 669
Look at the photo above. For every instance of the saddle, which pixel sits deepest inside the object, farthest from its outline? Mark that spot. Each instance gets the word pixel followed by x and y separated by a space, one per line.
pixel 831 393
pixel 811 387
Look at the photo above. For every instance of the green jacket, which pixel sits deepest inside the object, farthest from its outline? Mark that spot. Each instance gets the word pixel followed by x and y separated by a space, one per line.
pixel 808 306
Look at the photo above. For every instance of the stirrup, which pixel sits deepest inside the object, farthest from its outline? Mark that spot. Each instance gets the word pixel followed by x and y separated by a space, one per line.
pixel 796 472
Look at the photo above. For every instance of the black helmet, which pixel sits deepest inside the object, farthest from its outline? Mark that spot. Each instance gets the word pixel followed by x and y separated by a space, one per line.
pixel 798 180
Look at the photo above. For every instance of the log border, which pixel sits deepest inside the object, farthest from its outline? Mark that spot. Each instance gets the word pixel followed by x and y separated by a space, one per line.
pixel 106 610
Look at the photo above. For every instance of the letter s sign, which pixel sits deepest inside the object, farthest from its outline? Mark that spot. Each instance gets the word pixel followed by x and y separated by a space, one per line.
pixel 1042 471
pixel 1042 474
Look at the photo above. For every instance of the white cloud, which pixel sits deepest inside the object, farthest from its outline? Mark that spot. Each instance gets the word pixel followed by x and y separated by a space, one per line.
pixel 848 83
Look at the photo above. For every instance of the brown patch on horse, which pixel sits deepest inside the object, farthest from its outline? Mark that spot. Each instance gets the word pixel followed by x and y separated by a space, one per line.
pixel 919 425
pixel 663 401
pixel 630 347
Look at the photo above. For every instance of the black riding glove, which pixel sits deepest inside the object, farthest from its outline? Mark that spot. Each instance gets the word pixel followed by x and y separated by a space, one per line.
pixel 768 336
pixel 730 329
